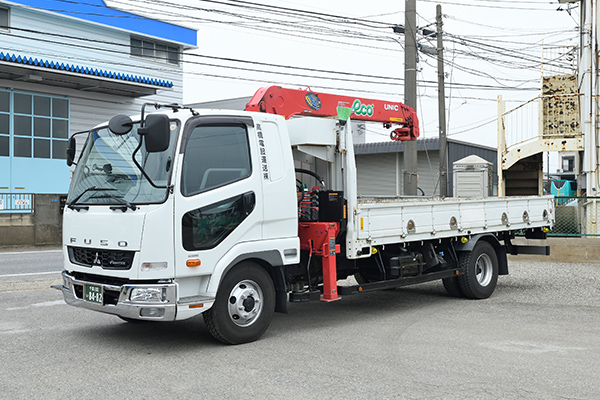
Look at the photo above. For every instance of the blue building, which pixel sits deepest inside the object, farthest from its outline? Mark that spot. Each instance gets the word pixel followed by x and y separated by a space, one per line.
pixel 67 66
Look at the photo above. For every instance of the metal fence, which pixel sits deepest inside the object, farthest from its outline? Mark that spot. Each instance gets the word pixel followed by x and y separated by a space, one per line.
pixel 545 117
pixel 576 216
pixel 16 202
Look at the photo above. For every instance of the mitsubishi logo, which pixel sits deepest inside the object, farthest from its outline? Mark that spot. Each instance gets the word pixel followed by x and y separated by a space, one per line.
pixel 97 260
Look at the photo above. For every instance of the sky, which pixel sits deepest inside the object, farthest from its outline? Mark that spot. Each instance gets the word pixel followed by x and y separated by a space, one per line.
pixel 491 48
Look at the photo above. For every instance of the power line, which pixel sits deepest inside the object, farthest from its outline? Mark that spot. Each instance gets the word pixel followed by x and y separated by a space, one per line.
pixel 520 31
pixel 394 81
pixel 278 10
pixel 490 5
pixel 486 122
pixel 470 47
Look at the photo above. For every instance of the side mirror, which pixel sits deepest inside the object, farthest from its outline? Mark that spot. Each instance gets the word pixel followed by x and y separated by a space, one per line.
pixel 158 133
pixel 120 124
pixel 71 151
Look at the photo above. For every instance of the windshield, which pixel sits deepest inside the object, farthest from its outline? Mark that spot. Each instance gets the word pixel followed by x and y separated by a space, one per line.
pixel 106 174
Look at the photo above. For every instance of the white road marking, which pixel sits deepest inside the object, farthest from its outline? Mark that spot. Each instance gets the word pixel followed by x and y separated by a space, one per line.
pixel 49 303
pixel 29 252
pixel 44 304
pixel 30 274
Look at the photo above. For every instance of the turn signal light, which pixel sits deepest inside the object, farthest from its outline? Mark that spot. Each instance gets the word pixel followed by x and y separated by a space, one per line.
pixel 545 229
pixel 464 239
pixel 193 262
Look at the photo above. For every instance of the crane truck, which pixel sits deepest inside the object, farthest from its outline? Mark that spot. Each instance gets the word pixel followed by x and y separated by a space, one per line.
pixel 180 212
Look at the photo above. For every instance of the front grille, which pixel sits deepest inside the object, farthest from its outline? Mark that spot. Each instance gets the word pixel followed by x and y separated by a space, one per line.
pixel 107 259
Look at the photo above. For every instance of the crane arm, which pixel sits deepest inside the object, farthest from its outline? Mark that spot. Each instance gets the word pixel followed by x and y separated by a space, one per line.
pixel 290 102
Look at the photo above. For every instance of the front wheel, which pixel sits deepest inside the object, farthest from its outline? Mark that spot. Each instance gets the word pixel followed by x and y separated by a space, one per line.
pixel 480 271
pixel 244 305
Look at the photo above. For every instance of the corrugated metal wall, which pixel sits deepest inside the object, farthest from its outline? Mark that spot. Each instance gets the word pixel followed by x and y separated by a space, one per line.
pixel 377 174
pixel 380 166
pixel 429 171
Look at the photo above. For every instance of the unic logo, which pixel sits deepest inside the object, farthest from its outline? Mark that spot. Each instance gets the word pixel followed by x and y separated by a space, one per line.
pixel 362 109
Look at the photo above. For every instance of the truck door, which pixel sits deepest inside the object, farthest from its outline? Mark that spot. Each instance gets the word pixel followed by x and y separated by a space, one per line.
pixel 217 196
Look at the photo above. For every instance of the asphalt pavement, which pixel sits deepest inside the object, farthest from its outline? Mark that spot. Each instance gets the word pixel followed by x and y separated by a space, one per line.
pixel 537 337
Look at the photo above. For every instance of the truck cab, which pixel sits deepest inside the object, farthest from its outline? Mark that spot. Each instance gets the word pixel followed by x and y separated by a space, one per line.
pixel 150 234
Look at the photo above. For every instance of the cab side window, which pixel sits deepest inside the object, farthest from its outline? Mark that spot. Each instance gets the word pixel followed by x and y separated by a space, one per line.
pixel 204 228
pixel 215 155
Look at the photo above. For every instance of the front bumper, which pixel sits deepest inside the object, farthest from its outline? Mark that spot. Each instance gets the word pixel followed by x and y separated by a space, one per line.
pixel 116 299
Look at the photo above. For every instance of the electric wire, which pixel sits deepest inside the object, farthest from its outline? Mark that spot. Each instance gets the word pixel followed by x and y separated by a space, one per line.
pixel 394 81
pixel 466 47
pixel 511 7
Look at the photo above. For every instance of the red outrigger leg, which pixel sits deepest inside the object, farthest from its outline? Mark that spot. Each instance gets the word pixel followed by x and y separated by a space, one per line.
pixel 319 237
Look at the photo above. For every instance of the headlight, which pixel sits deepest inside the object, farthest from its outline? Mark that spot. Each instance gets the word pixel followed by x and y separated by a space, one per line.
pixel 150 295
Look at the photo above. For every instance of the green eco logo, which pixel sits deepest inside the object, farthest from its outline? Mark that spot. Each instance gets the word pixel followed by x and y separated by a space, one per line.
pixel 362 109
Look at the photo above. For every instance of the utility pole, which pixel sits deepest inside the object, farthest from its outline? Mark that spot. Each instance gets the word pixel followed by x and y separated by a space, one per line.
pixel 588 84
pixel 410 93
pixel 441 105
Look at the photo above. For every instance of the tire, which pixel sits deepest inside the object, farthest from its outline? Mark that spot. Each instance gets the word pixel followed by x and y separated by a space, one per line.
pixel 244 305
pixel 360 278
pixel 452 286
pixel 480 271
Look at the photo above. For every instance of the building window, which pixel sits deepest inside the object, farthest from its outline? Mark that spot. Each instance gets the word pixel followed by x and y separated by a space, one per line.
pixel 37 126
pixel 155 51
pixel 4 124
pixel 568 164
pixel 4 18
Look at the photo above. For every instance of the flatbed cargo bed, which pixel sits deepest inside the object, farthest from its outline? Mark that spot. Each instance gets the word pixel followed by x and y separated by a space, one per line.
pixel 385 220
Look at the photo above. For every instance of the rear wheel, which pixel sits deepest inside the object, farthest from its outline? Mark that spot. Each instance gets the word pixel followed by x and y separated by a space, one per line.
pixel 452 286
pixel 244 305
pixel 480 271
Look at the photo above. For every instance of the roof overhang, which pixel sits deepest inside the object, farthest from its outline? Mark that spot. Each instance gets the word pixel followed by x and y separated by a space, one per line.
pixel 97 12
pixel 74 81
pixel 77 77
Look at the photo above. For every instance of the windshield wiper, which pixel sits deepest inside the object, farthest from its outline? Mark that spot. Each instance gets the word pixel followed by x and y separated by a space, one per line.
pixel 72 205
pixel 125 203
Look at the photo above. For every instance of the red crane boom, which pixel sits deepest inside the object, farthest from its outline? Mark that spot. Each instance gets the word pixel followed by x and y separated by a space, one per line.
pixel 290 102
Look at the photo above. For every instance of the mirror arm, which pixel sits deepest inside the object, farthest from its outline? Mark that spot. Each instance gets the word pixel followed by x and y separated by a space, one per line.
pixel 142 169
pixel 72 136
pixel 143 130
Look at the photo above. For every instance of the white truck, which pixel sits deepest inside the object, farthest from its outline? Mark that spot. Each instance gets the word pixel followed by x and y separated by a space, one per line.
pixel 184 212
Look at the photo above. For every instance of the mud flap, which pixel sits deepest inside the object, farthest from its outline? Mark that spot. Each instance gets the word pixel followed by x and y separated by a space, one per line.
pixel 281 296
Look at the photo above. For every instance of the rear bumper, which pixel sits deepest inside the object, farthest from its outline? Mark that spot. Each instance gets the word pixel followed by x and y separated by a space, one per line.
pixel 116 300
